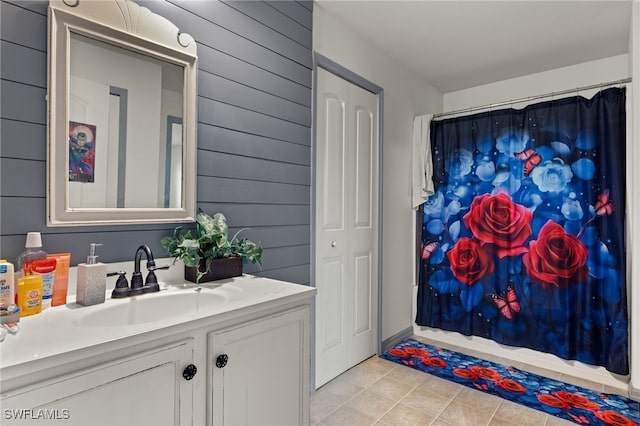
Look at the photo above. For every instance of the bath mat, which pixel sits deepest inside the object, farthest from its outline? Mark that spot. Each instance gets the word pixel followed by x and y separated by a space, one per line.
pixel 569 402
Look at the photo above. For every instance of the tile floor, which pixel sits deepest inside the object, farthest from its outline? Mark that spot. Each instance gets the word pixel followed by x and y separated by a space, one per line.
pixel 380 392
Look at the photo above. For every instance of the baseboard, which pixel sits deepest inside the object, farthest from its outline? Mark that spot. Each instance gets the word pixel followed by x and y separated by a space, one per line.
pixel 634 393
pixel 397 338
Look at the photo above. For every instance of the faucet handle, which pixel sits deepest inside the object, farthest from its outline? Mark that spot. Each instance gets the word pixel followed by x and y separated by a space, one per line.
pixel 151 281
pixel 122 285
pixel 158 268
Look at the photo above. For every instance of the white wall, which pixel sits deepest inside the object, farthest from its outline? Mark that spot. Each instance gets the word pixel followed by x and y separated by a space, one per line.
pixel 595 72
pixel 405 96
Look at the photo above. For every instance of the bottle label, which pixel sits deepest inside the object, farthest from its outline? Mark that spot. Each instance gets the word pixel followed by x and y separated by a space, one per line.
pixel 33 299
pixel 7 295
pixel 30 295
pixel 26 267
pixel 46 268
pixel 3 269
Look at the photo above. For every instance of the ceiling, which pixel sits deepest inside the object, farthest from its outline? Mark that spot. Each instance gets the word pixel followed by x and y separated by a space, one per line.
pixel 455 44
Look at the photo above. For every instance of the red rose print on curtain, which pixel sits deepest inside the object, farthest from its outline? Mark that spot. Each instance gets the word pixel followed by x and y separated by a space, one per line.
pixel 469 262
pixel 499 224
pixel 556 258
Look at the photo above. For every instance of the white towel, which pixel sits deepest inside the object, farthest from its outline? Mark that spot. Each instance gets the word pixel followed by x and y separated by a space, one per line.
pixel 422 163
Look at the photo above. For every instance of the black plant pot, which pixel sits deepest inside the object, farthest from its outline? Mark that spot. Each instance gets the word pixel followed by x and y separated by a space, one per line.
pixel 226 267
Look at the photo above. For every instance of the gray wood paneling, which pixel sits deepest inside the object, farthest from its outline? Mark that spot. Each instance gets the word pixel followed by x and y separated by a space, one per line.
pixel 250 75
pixel 295 274
pixel 213 189
pixel 287 256
pixel 22 26
pixel 23 102
pixel 21 215
pixel 214 138
pixel 22 178
pixel 275 236
pixel 295 11
pixel 31 69
pixel 216 164
pixel 38 6
pixel 25 214
pixel 117 246
pixel 282 257
pixel 254 134
pixel 204 32
pixel 273 18
pixel 262 214
pixel 23 140
pixel 307 4
pixel 231 117
pixel 236 94
pixel 232 20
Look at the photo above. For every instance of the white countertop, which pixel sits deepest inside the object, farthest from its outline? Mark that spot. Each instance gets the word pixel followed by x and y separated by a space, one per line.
pixel 61 333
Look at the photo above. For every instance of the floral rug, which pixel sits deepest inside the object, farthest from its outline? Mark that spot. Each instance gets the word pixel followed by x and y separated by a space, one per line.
pixel 569 402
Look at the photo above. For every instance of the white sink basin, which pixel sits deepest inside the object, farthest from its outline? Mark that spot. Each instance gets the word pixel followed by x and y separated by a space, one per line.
pixel 148 307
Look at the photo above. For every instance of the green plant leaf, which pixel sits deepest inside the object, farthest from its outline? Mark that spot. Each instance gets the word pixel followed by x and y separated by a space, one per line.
pixel 220 226
pixel 211 242
pixel 189 244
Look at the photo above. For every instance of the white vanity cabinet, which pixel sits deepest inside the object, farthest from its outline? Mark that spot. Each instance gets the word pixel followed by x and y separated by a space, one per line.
pixel 259 372
pixel 143 389
pixel 66 366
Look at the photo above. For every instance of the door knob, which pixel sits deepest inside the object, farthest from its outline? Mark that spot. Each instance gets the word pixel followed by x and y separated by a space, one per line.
pixel 222 360
pixel 334 243
pixel 189 372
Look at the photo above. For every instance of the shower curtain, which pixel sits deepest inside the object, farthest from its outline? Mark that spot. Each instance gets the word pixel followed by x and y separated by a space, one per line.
pixel 523 241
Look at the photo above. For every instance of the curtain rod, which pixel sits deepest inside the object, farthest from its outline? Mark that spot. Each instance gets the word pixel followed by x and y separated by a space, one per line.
pixel 531 98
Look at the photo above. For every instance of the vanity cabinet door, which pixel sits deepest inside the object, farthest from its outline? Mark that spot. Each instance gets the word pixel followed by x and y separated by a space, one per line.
pixel 260 372
pixel 143 389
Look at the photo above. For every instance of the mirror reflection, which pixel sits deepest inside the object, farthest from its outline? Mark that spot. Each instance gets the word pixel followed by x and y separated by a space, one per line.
pixel 122 115
pixel 125 128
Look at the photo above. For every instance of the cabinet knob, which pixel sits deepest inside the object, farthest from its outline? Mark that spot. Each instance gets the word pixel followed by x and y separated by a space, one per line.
pixel 189 372
pixel 222 360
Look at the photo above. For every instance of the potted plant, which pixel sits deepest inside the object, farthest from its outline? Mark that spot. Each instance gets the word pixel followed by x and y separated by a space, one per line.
pixel 209 254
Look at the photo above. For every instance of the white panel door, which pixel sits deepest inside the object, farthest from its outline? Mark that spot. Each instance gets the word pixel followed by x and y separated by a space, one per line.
pixel 346 225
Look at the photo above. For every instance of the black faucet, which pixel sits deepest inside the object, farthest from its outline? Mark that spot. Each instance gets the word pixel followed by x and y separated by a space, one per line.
pixel 122 286
pixel 151 282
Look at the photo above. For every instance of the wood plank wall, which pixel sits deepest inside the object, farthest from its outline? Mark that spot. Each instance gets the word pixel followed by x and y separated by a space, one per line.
pixel 254 130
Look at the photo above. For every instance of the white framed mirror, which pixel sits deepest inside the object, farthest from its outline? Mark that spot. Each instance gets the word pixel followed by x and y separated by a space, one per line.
pixel 121 116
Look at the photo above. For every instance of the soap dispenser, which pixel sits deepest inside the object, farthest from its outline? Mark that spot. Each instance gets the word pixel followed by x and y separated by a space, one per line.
pixel 92 279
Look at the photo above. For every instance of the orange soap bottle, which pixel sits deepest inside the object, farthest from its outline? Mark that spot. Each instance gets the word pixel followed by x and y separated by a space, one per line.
pixel 30 295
